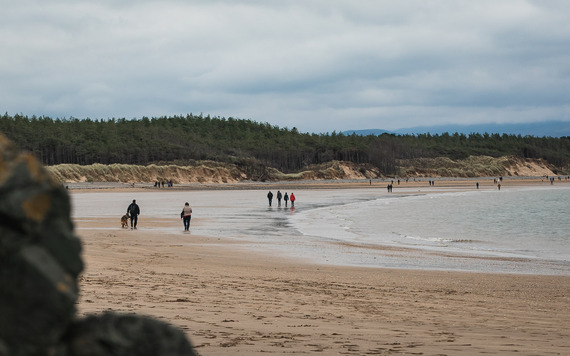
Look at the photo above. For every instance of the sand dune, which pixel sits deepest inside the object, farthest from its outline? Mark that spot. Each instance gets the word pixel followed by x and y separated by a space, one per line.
pixel 214 172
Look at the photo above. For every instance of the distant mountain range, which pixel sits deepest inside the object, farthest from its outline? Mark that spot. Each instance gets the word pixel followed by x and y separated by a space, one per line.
pixel 537 129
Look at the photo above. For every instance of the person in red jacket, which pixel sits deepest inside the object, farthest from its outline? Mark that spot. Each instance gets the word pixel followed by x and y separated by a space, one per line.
pixel 292 199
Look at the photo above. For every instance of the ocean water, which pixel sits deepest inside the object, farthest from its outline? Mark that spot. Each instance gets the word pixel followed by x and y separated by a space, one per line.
pixel 515 230
pixel 524 230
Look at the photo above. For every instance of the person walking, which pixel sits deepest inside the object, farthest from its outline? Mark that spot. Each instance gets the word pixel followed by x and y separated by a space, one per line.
pixel 133 210
pixel 279 196
pixel 270 197
pixel 186 215
pixel 285 199
pixel 292 198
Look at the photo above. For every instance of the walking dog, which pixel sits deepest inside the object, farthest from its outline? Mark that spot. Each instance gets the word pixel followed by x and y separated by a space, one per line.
pixel 125 221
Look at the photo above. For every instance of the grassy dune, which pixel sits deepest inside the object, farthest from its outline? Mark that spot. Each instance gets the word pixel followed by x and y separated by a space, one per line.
pixel 475 166
pixel 213 172
pixel 203 172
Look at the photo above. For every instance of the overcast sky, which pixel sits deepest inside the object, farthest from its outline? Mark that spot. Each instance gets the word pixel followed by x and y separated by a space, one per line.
pixel 318 65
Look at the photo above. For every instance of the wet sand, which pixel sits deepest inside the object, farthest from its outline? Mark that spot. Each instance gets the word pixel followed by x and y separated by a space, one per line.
pixel 244 215
pixel 230 299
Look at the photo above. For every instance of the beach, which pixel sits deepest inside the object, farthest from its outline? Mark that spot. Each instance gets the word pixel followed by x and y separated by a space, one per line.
pixel 231 298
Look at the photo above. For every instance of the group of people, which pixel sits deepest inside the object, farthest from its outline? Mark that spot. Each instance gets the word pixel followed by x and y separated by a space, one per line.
pixel 157 184
pixel 133 211
pixel 286 198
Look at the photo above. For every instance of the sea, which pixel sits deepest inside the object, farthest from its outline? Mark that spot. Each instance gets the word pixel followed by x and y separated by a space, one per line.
pixel 523 229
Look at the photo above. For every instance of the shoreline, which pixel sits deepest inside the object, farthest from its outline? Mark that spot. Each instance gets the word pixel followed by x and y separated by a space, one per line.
pixel 260 228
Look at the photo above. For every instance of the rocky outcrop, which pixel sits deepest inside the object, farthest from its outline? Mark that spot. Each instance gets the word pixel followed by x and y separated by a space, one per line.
pixel 40 263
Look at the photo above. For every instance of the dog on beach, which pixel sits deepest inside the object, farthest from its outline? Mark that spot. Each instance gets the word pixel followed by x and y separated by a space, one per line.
pixel 125 221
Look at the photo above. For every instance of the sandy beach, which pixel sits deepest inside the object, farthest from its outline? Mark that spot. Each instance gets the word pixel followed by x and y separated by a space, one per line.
pixel 231 299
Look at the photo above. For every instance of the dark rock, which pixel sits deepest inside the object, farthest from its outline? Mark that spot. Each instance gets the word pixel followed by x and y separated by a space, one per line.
pixel 40 262
pixel 39 256
pixel 113 334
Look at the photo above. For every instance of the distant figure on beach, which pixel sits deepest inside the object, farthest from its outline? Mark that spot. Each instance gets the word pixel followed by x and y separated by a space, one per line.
pixel 285 199
pixel 499 186
pixel 477 185
pixel 186 215
pixel 270 197
pixel 133 210
pixel 279 196
pixel 390 187
pixel 292 198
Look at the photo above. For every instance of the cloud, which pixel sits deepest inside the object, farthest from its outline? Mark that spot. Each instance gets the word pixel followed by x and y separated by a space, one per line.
pixel 315 65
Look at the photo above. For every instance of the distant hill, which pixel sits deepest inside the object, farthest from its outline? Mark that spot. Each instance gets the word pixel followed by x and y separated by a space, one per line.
pixel 536 129
pixel 374 132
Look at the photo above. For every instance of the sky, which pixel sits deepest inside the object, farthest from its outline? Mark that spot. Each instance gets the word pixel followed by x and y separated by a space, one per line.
pixel 317 65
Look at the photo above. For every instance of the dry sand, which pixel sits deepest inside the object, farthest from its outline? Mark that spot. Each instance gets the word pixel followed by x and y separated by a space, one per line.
pixel 231 300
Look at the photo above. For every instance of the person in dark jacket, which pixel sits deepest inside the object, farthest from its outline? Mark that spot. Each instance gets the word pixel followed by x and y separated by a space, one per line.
pixel 286 198
pixel 134 212
pixel 270 197
pixel 279 196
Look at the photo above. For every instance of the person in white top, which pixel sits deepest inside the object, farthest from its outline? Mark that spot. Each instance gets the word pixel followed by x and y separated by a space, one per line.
pixel 186 215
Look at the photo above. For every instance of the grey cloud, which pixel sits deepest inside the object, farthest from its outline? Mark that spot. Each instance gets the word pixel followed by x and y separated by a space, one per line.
pixel 317 65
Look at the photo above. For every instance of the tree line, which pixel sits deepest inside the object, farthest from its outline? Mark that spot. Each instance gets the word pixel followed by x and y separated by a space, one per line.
pixel 246 142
